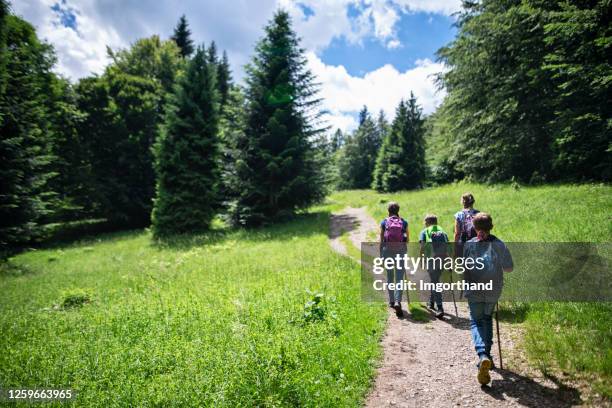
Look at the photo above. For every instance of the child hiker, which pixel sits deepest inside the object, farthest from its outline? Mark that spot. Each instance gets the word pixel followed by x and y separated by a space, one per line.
pixel 434 243
pixel 464 226
pixel 495 259
pixel 394 237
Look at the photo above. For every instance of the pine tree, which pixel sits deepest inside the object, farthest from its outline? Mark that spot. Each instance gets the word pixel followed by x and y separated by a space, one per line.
pixel 182 37
pixel 25 139
pixel 187 153
pixel 211 54
pixel 231 134
pixel 223 72
pixel 124 108
pixel 337 141
pixel 382 127
pixel 4 11
pixel 276 167
pixel 358 157
pixel 401 161
pixel 224 79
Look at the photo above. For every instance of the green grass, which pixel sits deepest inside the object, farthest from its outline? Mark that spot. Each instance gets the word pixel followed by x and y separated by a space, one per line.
pixel 270 317
pixel 574 338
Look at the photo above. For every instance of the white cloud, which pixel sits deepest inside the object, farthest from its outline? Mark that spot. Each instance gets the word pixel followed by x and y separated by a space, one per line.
pixel 384 17
pixel 80 52
pixel 329 19
pixel 235 27
pixel 393 44
pixel 446 7
pixel 344 95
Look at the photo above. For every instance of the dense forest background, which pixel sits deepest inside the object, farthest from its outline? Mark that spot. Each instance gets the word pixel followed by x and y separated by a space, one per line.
pixel 164 137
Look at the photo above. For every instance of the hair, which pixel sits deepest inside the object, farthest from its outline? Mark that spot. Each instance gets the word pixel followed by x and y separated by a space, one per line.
pixel 431 219
pixel 483 222
pixel 393 208
pixel 468 200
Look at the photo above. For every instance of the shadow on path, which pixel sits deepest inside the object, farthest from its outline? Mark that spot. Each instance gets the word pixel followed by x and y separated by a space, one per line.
pixel 529 393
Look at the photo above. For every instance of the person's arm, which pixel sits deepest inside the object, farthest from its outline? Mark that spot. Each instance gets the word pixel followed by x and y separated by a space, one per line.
pixel 422 244
pixel 457 249
pixel 382 240
pixel 508 264
pixel 457 230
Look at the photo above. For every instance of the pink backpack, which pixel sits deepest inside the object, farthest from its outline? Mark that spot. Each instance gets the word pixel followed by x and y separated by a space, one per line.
pixel 394 229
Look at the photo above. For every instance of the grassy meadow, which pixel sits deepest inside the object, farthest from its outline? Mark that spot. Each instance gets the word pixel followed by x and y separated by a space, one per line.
pixel 266 317
pixel 222 319
pixel 571 339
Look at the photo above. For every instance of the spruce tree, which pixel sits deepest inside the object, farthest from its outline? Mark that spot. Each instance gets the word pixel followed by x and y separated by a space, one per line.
pixel 186 153
pixel 358 157
pixel 224 79
pixel 276 166
pixel 124 108
pixel 337 141
pixel 401 161
pixel 182 37
pixel 25 138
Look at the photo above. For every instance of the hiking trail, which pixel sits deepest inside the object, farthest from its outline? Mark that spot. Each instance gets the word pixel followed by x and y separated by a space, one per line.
pixel 433 364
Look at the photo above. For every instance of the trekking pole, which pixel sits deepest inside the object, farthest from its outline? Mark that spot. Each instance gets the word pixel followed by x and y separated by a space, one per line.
pixel 407 291
pixel 453 293
pixel 501 364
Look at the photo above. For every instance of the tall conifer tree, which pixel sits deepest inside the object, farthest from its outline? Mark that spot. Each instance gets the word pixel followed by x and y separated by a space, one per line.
pixel 401 161
pixel 182 37
pixel 224 79
pixel 358 157
pixel 186 153
pixel 25 138
pixel 276 168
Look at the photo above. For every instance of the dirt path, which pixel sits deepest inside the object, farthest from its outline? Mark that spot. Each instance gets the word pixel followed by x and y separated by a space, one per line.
pixel 432 364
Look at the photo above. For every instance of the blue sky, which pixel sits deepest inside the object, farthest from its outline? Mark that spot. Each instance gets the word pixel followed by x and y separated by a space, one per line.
pixel 371 52
pixel 420 35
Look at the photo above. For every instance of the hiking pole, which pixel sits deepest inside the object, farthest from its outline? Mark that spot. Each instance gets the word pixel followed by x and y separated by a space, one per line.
pixel 501 363
pixel 407 291
pixel 453 293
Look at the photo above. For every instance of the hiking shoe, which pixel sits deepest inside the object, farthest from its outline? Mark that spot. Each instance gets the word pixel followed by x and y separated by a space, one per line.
pixel 398 309
pixel 440 313
pixel 430 306
pixel 391 305
pixel 493 367
pixel 483 370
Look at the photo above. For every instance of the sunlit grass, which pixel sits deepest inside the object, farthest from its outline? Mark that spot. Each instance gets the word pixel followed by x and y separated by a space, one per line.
pixel 217 319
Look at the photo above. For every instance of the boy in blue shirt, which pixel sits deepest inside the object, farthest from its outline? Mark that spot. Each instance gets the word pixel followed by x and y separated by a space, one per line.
pixel 434 243
pixel 495 260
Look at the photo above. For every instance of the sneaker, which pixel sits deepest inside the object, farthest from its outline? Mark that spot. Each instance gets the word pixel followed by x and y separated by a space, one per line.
pixel 398 309
pixel 440 313
pixel 483 370
pixel 493 366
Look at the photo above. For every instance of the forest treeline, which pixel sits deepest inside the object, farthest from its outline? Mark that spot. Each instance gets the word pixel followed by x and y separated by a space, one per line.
pixel 164 137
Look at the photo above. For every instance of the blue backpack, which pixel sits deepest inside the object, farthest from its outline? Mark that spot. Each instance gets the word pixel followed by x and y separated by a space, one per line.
pixel 438 240
pixel 489 259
